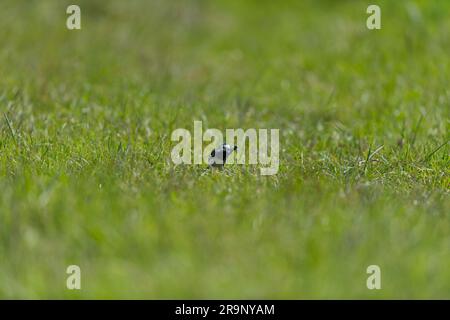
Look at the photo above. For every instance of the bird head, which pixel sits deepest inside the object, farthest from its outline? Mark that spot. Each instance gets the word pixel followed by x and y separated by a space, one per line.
pixel 228 149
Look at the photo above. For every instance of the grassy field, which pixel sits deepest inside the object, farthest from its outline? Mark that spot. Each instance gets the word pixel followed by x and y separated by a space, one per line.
pixel 86 176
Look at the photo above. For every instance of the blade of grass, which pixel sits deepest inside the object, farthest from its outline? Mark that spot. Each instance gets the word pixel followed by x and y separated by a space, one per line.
pixel 416 129
pixel 434 151
pixel 11 129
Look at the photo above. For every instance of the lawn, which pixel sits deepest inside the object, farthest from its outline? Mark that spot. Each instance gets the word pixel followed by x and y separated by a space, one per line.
pixel 86 176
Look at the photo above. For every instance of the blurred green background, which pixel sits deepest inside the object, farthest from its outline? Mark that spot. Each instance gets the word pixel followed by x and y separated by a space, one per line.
pixel 86 176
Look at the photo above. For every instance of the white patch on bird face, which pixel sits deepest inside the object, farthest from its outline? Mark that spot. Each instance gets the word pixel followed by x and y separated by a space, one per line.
pixel 258 153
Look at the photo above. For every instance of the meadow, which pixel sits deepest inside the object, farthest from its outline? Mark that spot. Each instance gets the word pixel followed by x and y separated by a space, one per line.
pixel 86 176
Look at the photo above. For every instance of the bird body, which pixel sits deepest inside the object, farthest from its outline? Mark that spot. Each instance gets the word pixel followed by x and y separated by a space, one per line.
pixel 219 155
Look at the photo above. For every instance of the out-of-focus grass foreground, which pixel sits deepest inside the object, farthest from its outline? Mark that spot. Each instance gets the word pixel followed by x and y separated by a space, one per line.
pixel 86 176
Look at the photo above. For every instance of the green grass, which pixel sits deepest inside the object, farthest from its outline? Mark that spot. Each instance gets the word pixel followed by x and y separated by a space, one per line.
pixel 86 176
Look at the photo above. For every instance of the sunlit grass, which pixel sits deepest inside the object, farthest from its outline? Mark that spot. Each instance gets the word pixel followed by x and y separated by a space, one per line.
pixel 86 176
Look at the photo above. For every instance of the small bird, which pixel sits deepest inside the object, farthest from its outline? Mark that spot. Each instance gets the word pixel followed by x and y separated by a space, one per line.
pixel 219 155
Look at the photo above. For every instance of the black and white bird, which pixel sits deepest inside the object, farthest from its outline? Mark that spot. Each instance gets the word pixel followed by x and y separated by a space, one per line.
pixel 219 155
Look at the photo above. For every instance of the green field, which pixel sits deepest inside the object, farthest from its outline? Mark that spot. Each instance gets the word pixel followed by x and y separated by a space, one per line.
pixel 86 176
